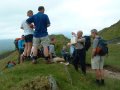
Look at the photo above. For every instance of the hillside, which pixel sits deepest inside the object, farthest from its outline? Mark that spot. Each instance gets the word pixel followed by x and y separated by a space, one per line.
pixel 66 77
pixel 111 32
pixel 5 54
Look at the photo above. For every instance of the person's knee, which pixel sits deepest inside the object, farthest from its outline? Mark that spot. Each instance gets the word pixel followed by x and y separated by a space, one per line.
pixel 34 50
pixel 97 71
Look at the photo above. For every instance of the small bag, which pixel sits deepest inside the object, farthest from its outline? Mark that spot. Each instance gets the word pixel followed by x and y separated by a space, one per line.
pixel 73 40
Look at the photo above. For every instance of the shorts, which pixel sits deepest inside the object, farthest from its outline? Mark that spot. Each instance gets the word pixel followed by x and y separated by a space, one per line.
pixel 29 38
pixel 97 62
pixel 42 41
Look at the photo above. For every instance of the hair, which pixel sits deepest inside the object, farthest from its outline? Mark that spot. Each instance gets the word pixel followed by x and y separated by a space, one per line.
pixel 29 11
pixel 22 36
pixel 94 31
pixel 41 8
pixel 80 32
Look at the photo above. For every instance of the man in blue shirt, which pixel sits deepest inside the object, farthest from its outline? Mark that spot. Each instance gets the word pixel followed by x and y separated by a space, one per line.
pixel 40 37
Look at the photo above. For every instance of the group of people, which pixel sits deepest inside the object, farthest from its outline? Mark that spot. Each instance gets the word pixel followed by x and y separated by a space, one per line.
pixel 79 55
pixel 36 36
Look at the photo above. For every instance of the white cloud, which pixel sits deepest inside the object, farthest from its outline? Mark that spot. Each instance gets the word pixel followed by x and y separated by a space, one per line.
pixel 65 15
pixel 85 14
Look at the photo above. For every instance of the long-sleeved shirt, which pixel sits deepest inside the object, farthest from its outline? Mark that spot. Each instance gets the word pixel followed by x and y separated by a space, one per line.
pixel 80 43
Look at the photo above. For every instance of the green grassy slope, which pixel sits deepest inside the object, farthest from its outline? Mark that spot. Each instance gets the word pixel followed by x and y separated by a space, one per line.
pixel 14 78
pixel 113 58
pixel 111 32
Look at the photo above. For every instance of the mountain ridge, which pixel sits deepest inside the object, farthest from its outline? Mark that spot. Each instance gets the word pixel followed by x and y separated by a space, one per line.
pixel 109 33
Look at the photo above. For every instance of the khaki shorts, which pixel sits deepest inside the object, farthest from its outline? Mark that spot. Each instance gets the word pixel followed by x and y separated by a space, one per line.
pixel 97 62
pixel 42 41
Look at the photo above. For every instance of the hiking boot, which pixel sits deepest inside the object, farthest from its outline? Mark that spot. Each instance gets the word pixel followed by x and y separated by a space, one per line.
pixel 22 58
pixel 34 61
pixel 97 82
pixel 28 58
pixel 102 82
pixel 76 67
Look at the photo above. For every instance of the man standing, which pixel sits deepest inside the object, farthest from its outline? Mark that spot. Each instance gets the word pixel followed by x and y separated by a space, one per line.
pixel 79 53
pixel 28 32
pixel 40 37
pixel 97 61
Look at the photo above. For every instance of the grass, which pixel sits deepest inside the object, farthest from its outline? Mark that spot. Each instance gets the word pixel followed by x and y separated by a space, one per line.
pixel 5 54
pixel 114 56
pixel 15 77
pixel 111 32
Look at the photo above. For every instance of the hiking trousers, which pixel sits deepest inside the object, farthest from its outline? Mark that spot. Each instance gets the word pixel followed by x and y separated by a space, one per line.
pixel 66 57
pixel 79 60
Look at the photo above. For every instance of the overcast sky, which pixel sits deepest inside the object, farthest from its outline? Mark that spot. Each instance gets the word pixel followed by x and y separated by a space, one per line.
pixel 65 15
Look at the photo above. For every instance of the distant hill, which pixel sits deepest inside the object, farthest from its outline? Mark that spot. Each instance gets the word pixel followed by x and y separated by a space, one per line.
pixel 6 45
pixel 111 32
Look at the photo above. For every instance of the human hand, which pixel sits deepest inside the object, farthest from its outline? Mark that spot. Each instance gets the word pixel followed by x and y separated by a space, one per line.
pixel 73 33
pixel 32 26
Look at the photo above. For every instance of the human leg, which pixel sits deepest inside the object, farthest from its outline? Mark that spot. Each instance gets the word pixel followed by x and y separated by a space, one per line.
pixel 82 61
pixel 25 49
pixel 36 43
pixel 102 70
pixel 95 63
pixel 45 42
pixel 102 76
pixel 29 49
pixel 29 40
pixel 76 61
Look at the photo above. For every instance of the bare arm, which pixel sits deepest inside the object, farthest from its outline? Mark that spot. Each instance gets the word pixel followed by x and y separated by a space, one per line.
pixel 81 40
pixel 95 44
pixel 93 52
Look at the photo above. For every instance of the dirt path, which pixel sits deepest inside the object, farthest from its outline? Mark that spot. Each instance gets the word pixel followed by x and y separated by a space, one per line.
pixel 112 74
pixel 108 73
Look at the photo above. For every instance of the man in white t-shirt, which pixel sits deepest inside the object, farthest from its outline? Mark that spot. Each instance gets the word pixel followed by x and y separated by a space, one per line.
pixel 28 32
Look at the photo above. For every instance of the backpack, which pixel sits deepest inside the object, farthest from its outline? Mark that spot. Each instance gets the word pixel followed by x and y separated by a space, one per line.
pixel 102 48
pixel 87 42
pixel 16 42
